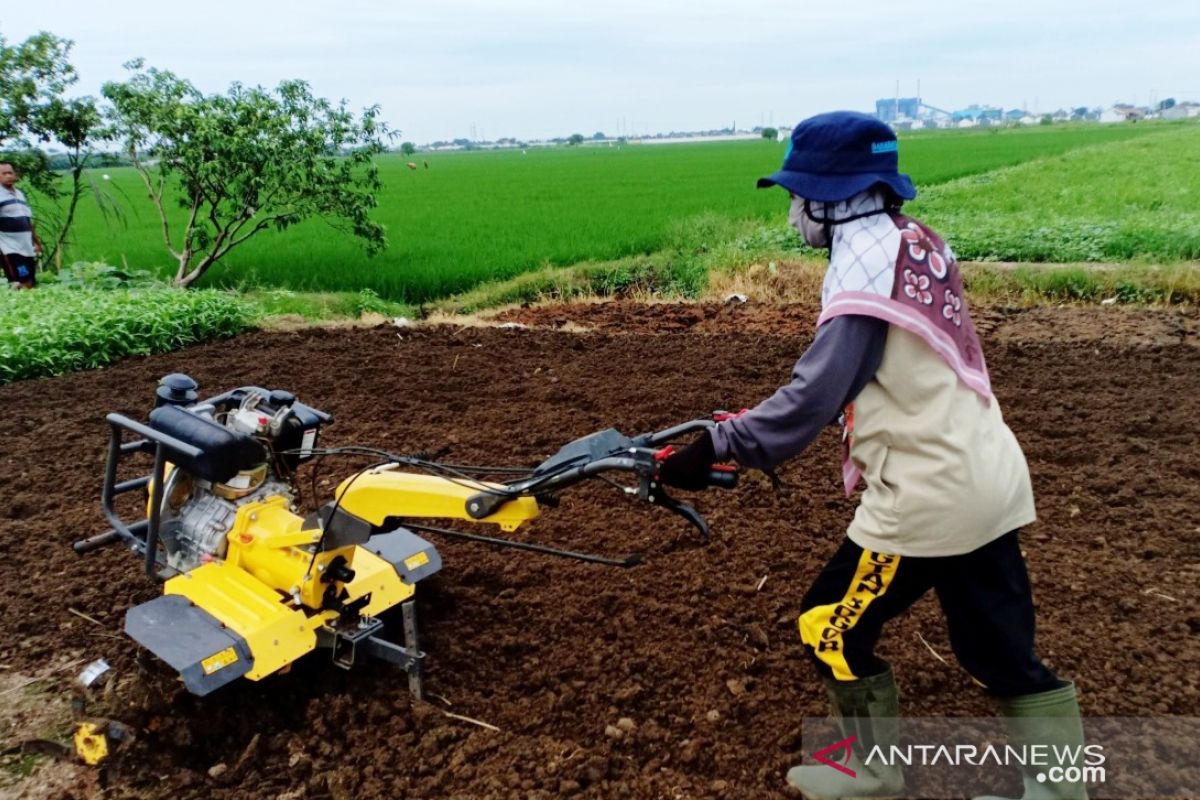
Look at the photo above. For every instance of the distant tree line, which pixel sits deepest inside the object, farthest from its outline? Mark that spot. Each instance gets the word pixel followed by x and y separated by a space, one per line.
pixel 61 162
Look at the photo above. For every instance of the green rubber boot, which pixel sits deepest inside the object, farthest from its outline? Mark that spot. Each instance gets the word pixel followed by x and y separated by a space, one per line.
pixel 868 709
pixel 1047 718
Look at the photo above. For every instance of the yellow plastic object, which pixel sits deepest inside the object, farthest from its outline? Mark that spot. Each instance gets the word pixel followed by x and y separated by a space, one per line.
pixel 379 494
pixel 267 540
pixel 276 633
pixel 374 576
pixel 267 572
pixel 91 744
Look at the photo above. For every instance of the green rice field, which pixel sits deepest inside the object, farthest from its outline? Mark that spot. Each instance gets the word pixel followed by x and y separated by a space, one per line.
pixel 1133 200
pixel 1101 191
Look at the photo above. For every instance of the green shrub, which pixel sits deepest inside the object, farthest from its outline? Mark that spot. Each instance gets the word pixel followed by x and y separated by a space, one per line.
pixel 56 328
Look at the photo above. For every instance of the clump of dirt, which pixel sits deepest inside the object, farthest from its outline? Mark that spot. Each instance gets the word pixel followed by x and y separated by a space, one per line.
pixel 680 677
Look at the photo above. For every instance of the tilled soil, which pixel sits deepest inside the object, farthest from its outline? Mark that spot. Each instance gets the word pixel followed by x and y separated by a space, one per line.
pixel 681 677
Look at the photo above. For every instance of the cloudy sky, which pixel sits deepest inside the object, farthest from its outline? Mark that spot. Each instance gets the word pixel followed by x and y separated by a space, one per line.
pixel 538 68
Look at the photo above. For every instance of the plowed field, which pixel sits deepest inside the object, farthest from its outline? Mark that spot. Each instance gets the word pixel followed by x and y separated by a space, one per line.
pixel 681 677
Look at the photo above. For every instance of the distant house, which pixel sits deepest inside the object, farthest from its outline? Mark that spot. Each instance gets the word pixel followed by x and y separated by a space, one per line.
pixel 979 113
pixel 1121 113
pixel 1181 111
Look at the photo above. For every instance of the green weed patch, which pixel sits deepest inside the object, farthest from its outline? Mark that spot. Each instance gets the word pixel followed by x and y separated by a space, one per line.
pixel 56 329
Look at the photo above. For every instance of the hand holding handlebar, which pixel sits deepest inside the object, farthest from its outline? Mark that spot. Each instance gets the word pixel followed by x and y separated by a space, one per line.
pixel 723 476
pixel 692 466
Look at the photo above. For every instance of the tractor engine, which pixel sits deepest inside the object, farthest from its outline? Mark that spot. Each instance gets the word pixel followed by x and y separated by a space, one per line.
pixel 194 532
pixel 197 514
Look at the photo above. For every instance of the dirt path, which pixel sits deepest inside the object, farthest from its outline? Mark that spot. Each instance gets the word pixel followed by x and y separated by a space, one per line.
pixel 696 649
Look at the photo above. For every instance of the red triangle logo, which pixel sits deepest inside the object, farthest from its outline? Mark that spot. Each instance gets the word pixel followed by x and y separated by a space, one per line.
pixel 844 744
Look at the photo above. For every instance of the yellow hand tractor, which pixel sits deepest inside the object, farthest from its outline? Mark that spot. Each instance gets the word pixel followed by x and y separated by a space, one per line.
pixel 250 585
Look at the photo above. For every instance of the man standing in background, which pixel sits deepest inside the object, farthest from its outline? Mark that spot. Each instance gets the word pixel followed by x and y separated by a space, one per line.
pixel 19 243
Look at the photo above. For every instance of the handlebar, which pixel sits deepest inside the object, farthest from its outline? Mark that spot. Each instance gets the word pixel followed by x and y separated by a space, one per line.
pixel 723 478
pixel 608 451
pixel 674 432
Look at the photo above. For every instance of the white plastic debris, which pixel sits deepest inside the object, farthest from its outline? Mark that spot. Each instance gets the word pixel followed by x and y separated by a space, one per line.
pixel 1108 301
pixel 402 322
pixel 513 325
pixel 92 672
pixel 736 297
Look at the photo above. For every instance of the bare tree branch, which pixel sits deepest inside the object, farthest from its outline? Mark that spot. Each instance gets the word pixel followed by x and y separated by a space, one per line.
pixel 156 197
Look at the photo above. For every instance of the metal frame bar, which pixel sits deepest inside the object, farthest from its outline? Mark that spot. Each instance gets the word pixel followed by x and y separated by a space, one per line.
pixel 142 535
pixel 347 647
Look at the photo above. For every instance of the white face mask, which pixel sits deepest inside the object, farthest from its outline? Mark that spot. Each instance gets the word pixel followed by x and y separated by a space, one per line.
pixel 814 233
pixel 796 215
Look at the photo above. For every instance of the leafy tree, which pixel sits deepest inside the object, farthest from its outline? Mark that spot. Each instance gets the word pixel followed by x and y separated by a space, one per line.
pixel 575 139
pixel 1165 104
pixel 33 78
pixel 598 136
pixel 245 161
pixel 408 148
pixel 75 123
pixel 770 134
pixel 32 74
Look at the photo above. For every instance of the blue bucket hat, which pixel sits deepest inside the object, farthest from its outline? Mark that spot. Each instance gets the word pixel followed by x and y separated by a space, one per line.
pixel 835 156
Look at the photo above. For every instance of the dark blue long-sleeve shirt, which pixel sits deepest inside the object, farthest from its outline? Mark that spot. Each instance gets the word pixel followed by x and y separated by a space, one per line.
pixel 842 359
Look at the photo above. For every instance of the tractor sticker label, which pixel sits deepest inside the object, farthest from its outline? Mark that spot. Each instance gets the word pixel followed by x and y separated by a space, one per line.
pixel 219 660
pixel 419 560
pixel 307 442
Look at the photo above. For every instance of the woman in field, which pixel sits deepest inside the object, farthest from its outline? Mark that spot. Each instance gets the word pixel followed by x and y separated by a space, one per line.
pixel 946 484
